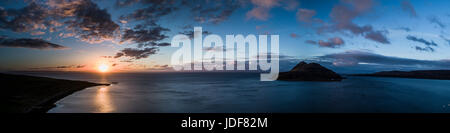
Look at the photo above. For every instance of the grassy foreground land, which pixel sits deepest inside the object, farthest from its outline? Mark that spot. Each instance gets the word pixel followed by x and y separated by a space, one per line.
pixel 29 94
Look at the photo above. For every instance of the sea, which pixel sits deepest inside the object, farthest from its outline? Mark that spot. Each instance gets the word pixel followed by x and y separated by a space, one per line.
pixel 241 92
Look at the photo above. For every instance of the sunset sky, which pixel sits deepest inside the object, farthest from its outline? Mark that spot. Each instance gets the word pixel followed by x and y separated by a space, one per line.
pixel 134 35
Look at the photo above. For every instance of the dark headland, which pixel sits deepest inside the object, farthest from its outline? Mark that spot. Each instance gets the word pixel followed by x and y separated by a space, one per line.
pixel 309 72
pixel 421 74
pixel 29 94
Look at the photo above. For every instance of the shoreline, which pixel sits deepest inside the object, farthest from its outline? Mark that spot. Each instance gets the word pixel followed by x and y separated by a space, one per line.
pixel 31 94
pixel 50 103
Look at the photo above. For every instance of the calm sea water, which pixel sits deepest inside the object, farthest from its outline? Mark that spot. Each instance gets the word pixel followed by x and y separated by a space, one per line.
pixel 243 92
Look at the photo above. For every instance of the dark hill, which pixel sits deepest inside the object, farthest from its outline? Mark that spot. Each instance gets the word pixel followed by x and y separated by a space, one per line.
pixel 309 72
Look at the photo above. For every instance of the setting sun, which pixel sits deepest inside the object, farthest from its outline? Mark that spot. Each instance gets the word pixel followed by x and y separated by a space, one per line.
pixel 103 68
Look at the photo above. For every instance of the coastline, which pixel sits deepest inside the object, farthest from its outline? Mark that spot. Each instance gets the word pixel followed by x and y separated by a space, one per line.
pixel 31 94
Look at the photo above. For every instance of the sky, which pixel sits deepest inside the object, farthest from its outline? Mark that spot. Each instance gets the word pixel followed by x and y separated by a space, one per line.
pixel 349 36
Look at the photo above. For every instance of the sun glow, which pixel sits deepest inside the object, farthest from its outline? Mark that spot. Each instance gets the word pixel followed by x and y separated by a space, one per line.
pixel 103 68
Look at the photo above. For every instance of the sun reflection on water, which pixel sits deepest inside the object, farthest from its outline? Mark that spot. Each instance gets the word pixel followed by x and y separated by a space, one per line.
pixel 103 101
pixel 102 98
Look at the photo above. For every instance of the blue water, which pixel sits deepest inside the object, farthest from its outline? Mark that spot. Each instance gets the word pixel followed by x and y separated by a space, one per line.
pixel 243 92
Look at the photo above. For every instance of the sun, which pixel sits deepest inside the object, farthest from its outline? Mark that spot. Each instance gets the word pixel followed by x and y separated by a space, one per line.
pixel 103 68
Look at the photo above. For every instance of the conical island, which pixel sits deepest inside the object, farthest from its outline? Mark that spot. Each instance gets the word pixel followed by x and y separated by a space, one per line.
pixel 309 72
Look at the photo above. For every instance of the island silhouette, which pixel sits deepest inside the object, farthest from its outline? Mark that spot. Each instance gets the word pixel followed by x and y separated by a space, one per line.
pixel 309 72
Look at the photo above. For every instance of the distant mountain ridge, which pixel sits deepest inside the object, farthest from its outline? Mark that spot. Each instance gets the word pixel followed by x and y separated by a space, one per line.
pixel 419 74
pixel 309 72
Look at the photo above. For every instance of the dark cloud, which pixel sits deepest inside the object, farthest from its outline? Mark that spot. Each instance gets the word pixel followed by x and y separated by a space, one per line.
pixel 61 67
pixel 148 33
pixel 215 49
pixel 160 67
pixel 83 17
pixel 405 29
pixel 408 7
pixel 310 42
pixel 107 57
pixel 435 20
pixel 421 40
pixel 29 43
pixel 331 43
pixel 219 12
pixel 86 19
pixel 425 49
pixel 118 55
pixel 191 33
pixel 136 53
pixel 127 61
pixel 31 17
pixel 377 36
pixel 202 10
pixel 124 3
pixel 352 58
pixel 144 35
pixel 153 9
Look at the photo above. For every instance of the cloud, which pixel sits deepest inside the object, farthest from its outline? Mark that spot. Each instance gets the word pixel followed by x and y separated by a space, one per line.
pixel 151 12
pixel 29 43
pixel 213 49
pixel 293 35
pixel 144 35
pixel 425 49
pixel 446 39
pixel 160 67
pixel 305 15
pixel 377 36
pixel 29 18
pixel 435 20
pixel 136 53
pixel 86 19
pixel 290 4
pixel 404 29
pixel 191 33
pixel 408 7
pixel 259 13
pixel 202 10
pixel 421 40
pixel 212 12
pixel 310 42
pixel 83 17
pixel 62 67
pixel 266 3
pixel 107 57
pixel 342 16
pixel 353 58
pixel 124 3
pixel 331 43
pixel 261 8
